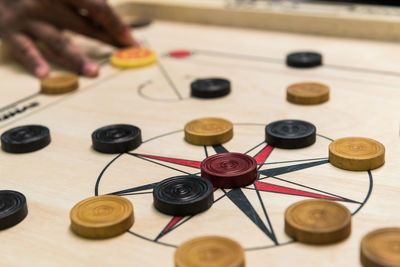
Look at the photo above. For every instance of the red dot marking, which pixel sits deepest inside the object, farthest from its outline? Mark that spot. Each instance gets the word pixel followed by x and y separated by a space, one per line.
pixel 180 54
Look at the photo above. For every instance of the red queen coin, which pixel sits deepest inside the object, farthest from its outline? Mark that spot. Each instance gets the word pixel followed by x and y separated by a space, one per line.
pixel 229 170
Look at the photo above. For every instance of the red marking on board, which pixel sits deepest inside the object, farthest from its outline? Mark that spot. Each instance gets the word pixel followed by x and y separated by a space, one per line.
pixel 286 190
pixel 180 54
pixel 262 156
pixel 184 162
pixel 172 223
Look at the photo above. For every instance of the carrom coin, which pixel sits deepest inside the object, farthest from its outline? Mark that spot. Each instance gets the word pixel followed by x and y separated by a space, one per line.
pixel 117 138
pixel 102 216
pixel 229 170
pixel 304 59
pixel 183 195
pixel 356 154
pixel 381 248
pixel 25 139
pixel 210 251
pixel 210 88
pixel 59 84
pixel 290 134
pixel 133 57
pixel 208 131
pixel 307 93
pixel 318 221
pixel 13 208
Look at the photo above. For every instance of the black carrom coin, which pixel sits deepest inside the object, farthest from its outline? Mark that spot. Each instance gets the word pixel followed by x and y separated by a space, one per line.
pixel 13 208
pixel 183 195
pixel 25 139
pixel 304 60
pixel 210 88
pixel 118 138
pixel 290 134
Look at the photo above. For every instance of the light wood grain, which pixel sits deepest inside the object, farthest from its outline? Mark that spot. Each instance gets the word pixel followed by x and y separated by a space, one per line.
pixel 364 102
pixel 345 20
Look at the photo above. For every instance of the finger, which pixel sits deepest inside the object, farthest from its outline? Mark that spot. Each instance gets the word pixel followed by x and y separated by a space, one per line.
pixel 103 14
pixel 65 63
pixel 90 70
pixel 27 53
pixel 61 50
pixel 64 17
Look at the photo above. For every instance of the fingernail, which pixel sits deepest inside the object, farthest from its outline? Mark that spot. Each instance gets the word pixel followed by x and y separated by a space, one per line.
pixel 91 69
pixel 42 71
pixel 127 38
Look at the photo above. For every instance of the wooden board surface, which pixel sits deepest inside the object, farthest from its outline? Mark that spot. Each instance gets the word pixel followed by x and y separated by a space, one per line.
pixel 364 80
pixel 332 19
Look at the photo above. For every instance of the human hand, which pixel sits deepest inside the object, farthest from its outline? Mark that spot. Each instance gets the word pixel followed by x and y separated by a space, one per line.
pixel 33 28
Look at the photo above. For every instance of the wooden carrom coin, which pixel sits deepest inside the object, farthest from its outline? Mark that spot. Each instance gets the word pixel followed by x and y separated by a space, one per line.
pixel 307 93
pixel 210 251
pixel 318 221
pixel 356 154
pixel 59 84
pixel 102 216
pixel 381 248
pixel 208 131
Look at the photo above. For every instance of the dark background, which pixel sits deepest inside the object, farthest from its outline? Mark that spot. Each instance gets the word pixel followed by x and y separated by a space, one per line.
pixel 383 2
pixel 372 2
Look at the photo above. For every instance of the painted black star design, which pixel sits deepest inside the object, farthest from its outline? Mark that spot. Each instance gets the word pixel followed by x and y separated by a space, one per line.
pixel 237 195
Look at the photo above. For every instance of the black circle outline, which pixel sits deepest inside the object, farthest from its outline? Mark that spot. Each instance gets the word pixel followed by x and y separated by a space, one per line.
pixel 370 180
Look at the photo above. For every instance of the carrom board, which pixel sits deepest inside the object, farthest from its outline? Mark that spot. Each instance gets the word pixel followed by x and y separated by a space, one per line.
pixel 364 78
pixel 329 18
